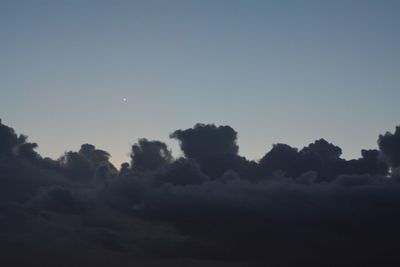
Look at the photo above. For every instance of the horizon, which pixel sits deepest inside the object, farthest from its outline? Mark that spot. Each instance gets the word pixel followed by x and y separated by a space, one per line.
pixel 180 152
pixel 275 71
pixel 187 133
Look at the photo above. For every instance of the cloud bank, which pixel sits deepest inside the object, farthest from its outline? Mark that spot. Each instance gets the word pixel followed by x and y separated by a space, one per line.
pixel 293 207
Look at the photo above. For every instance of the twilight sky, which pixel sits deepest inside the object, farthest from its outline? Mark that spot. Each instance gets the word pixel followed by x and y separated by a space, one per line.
pixel 275 71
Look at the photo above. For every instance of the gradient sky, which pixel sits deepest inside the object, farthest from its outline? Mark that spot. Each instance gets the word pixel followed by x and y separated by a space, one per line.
pixel 276 71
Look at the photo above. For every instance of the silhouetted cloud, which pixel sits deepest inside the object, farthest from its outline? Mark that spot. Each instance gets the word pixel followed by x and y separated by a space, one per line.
pixel 9 139
pixel 285 221
pixel 323 150
pixel 292 208
pixel 61 199
pixel 369 163
pixel 389 144
pixel 181 172
pixel 321 157
pixel 205 141
pixel 284 158
pixel 215 149
pixel 149 155
pixel 87 164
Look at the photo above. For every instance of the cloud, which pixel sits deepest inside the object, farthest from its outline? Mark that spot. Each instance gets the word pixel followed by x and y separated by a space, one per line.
pixel 389 144
pixel 149 155
pixel 181 172
pixel 215 149
pixel 9 139
pixel 323 150
pixel 321 157
pixel 285 221
pixel 61 199
pixel 284 158
pixel 295 207
pixel 87 164
pixel 205 141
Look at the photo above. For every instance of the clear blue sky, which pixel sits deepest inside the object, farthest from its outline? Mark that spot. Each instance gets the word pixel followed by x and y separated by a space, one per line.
pixel 276 71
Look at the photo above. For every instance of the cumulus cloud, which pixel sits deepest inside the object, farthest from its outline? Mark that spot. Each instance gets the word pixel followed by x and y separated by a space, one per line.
pixel 9 139
pixel 295 207
pixel 389 144
pixel 284 158
pixel 215 149
pixel 207 140
pixel 285 221
pixel 61 199
pixel 149 155
pixel 321 157
pixel 87 164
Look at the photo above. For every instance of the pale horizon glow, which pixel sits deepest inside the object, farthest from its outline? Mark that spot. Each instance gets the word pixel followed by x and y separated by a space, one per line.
pixel 275 71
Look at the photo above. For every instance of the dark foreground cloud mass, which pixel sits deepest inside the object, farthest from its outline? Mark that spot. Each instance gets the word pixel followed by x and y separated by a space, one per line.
pixel 293 207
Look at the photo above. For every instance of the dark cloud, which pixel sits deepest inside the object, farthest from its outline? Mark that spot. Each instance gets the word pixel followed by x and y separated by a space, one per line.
pixel 205 141
pixel 285 221
pixel 181 172
pixel 321 157
pixel 27 150
pixel 369 163
pixel 149 155
pixel 87 164
pixel 77 166
pixel 96 156
pixel 9 139
pixel 389 144
pixel 295 207
pixel 323 150
pixel 284 158
pixel 62 200
pixel 215 149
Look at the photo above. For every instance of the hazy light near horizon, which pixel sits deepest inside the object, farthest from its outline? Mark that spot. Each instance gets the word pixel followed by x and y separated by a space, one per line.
pixel 276 71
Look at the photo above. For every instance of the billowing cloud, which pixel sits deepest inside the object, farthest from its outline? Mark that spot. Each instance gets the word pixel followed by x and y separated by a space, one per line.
pixel 87 164
pixel 321 157
pixel 215 149
pixel 295 207
pixel 205 141
pixel 9 139
pixel 389 144
pixel 149 155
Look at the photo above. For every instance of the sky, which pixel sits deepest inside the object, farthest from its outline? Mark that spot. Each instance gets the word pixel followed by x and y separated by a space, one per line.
pixel 275 71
